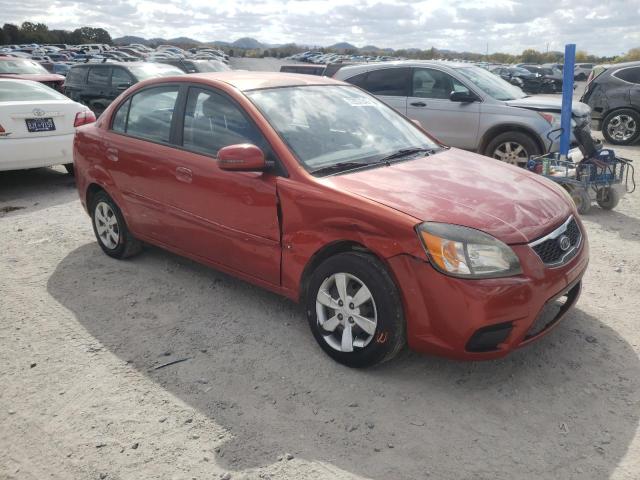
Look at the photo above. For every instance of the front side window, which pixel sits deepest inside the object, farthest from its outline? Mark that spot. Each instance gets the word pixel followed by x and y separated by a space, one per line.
pixel 429 83
pixel 350 125
pixel 212 121
pixel 151 113
pixel 99 76
pixel 120 77
pixel 388 82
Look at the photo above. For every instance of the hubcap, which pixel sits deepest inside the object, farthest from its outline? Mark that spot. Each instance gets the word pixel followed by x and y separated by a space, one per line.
pixel 511 152
pixel 346 312
pixel 622 127
pixel 106 225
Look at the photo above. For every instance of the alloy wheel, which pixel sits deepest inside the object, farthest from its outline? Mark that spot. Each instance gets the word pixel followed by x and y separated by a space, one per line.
pixel 622 128
pixel 512 153
pixel 346 312
pixel 107 225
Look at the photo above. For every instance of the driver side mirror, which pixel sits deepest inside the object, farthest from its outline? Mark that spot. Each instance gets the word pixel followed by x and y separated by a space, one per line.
pixel 243 157
pixel 463 97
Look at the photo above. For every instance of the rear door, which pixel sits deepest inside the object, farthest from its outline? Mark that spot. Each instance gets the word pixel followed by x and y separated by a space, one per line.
pixel 97 93
pixel 453 123
pixel 391 85
pixel 138 151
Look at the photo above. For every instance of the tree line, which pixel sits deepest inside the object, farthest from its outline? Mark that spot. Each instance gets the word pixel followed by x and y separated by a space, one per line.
pixel 39 33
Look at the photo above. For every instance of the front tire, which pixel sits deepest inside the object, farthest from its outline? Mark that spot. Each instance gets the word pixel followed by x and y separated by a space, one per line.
pixel 514 148
pixel 607 198
pixel 621 127
pixel 354 310
pixel 110 228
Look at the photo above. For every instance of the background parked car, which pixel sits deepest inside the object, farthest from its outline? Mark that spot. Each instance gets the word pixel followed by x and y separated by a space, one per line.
pixel 37 125
pixel 97 84
pixel 581 71
pixel 551 76
pixel 613 93
pixel 12 67
pixel 520 77
pixel 466 106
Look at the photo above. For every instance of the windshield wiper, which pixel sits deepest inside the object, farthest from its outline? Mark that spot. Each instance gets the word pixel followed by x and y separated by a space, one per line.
pixel 405 152
pixel 339 167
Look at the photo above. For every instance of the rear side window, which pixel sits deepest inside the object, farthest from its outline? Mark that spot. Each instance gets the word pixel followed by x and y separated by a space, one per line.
pixel 213 121
pixel 121 77
pixel 119 123
pixel 359 80
pixel 76 75
pixel 392 82
pixel 99 76
pixel 631 75
pixel 151 113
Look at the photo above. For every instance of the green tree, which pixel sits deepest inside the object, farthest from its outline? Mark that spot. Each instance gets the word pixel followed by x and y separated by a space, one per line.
pixel 531 56
pixel 11 33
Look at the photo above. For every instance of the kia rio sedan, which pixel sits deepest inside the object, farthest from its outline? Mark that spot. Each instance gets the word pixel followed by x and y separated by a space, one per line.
pixel 315 190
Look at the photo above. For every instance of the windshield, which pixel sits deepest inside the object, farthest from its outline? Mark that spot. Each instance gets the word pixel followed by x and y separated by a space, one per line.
pixel 209 66
pixel 490 84
pixel 326 125
pixel 27 91
pixel 19 66
pixel 142 72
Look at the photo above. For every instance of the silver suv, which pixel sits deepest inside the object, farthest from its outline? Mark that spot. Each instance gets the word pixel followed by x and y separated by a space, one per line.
pixel 466 106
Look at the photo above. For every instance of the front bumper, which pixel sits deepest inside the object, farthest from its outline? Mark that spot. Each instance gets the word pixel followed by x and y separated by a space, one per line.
pixel 444 313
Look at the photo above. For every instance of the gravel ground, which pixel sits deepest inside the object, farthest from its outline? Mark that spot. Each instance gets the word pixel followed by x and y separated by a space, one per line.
pixel 87 392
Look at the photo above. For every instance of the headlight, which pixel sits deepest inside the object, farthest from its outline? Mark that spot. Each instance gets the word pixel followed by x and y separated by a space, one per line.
pixel 467 252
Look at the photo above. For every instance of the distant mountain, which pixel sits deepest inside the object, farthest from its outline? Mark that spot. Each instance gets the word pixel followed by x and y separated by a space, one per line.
pixel 129 39
pixel 369 48
pixel 247 43
pixel 343 46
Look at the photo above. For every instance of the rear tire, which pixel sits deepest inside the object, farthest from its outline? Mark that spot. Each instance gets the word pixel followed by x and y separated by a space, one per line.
pixel 376 332
pixel 608 198
pixel 514 148
pixel 621 127
pixel 110 228
pixel 582 200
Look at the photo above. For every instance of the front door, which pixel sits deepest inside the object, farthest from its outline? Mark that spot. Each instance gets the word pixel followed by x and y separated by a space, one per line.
pixel 230 218
pixel 453 123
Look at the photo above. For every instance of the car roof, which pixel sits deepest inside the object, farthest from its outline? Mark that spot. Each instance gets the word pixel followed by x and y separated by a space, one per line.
pixel 250 80
pixel 366 67
pixel 620 65
pixel 111 64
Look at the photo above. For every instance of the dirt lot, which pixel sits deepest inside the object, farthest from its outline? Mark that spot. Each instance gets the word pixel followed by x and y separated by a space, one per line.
pixel 82 394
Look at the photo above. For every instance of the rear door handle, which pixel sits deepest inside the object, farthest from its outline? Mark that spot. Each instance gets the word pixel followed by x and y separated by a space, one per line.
pixel 418 104
pixel 184 174
pixel 112 154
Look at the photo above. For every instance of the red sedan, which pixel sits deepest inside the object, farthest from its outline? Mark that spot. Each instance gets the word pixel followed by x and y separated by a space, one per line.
pixel 24 69
pixel 316 190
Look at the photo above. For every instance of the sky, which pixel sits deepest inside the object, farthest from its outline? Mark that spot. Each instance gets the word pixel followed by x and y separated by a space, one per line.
pixel 601 27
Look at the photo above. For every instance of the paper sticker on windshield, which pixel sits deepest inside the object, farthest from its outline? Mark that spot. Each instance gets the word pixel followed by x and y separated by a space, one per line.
pixel 360 101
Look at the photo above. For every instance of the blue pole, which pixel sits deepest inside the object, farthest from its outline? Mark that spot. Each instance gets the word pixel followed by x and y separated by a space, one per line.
pixel 567 98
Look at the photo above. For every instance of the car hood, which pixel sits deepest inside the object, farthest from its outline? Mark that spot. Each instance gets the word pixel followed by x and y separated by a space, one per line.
pixel 463 188
pixel 548 104
pixel 36 77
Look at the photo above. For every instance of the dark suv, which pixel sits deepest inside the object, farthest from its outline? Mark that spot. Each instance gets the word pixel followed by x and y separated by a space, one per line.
pixel 96 85
pixel 613 93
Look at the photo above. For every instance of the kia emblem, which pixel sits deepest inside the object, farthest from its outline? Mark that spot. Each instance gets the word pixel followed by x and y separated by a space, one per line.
pixel 564 242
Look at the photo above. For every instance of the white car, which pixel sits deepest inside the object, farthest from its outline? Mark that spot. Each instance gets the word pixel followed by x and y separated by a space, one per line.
pixel 37 125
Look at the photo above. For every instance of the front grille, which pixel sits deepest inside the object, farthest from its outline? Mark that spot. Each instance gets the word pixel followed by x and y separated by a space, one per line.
pixel 559 246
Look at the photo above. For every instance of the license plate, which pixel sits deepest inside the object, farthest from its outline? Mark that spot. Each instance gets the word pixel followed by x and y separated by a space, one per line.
pixel 40 125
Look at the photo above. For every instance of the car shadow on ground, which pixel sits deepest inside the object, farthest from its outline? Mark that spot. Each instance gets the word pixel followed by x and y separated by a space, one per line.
pixel 565 407
pixel 628 228
pixel 31 190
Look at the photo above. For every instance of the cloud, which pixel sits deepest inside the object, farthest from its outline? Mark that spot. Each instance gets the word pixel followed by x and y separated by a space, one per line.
pixel 604 27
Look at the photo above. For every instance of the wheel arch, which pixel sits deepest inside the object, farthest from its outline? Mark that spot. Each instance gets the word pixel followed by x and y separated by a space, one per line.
pixel 327 251
pixel 91 191
pixel 509 127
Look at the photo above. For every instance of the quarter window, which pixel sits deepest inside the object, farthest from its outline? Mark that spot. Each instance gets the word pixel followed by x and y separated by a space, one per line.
pixel 212 121
pixel 631 75
pixel 428 83
pixel 151 113
pixel 119 123
pixel 99 76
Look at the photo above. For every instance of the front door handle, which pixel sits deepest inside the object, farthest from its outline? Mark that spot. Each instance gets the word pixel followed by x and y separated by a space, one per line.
pixel 418 104
pixel 184 174
pixel 112 154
